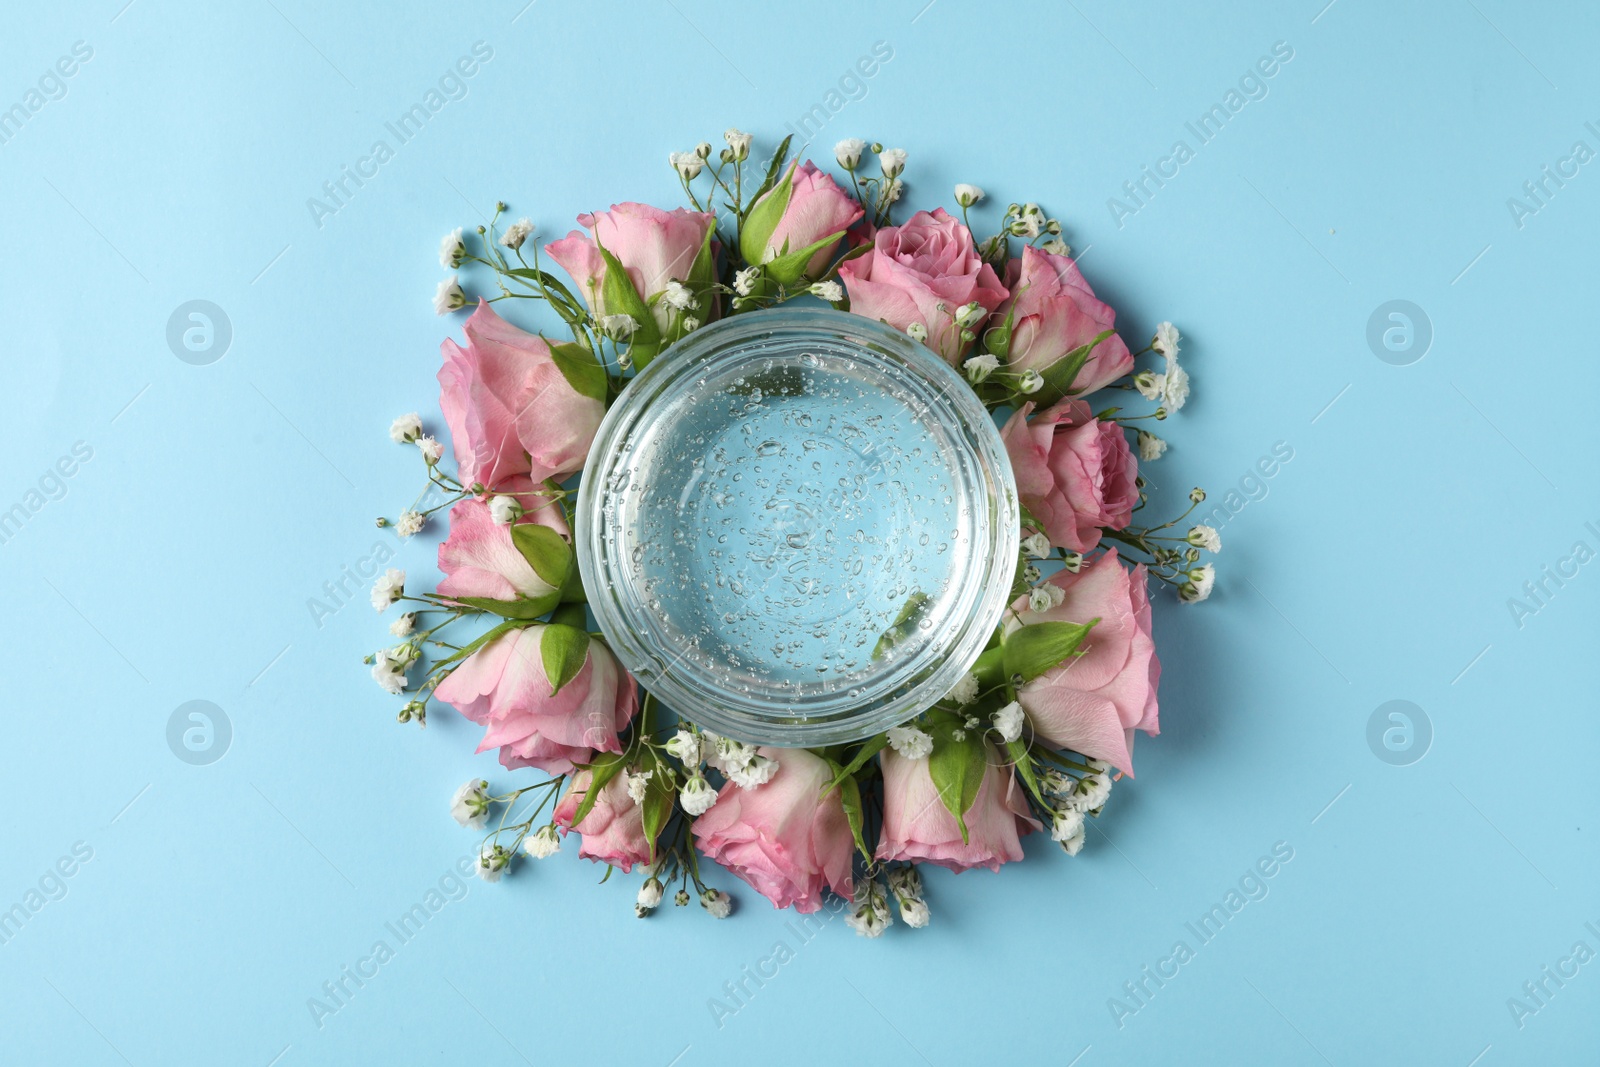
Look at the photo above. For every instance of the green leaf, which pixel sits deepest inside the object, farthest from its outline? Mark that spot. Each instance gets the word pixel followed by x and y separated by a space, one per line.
pixel 657 807
pixel 604 768
pixel 1059 376
pixel 850 795
pixel 571 614
pixel 563 650
pixel 621 298
pixel 774 168
pixel 869 748
pixel 581 370
pixel 763 219
pixel 957 768
pixel 905 623
pixel 1018 750
pixel 546 552
pixel 997 339
pixel 478 642
pixel 1034 649
pixel 551 282
pixel 521 608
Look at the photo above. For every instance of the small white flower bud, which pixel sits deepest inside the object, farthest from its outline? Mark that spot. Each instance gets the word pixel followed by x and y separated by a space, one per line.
pixel 892 162
pixel 542 843
pixel 1205 537
pixel 917 332
pixel 967 195
pixel 1030 383
pixel 979 368
pixel 848 152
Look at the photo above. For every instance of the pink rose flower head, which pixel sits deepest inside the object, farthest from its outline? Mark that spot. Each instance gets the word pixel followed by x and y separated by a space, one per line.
pixel 918 827
pixel 1053 312
pixel 480 559
pixel 784 838
pixel 1093 703
pixel 503 686
pixel 654 246
pixel 1076 474
pixel 613 830
pixel 924 272
pixel 510 408
pixel 816 211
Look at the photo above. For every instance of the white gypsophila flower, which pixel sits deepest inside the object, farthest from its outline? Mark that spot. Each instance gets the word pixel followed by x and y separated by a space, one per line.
pixel 618 327
pixel 1036 545
pixel 1175 390
pixel 1071 561
pixel 965 691
pixel 638 784
pixel 388 588
pixel 1029 225
pixel 745 280
pixel 503 510
pixel 1067 822
pixel 1031 573
pixel 543 842
pixel 404 624
pixel 432 451
pixel 679 296
pixel 1056 247
pixel 970 314
pixel 917 332
pixel 906 886
pixel 726 754
pixel 848 152
pixel 1150 446
pixel 687 164
pixel 1008 720
pixel 690 324
pixel 893 190
pixel 967 195
pixel 470 804
pixel 870 917
pixel 979 368
pixel 758 771
pixel 1091 792
pixel 913 912
pixel 910 742
pixel 409 523
pixel 406 428
pixel 1206 537
pixel 449 297
pixel 1031 382
pixel 1198 587
pixel 452 249
pixel 517 234
pixel 649 895
pixel 389 672
pixel 737 140
pixel 1045 596
pixel 1150 384
pixel 718 903
pixel 697 796
pixel 686 747
pixel 832 292
pixel 1166 340
pixel 1074 844
pixel 892 161
pixel 492 862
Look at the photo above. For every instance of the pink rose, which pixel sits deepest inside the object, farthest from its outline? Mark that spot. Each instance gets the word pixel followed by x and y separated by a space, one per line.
pixel 815 210
pixel 918 827
pixel 784 837
pixel 654 246
pixel 1094 702
pixel 613 830
pixel 1074 473
pixel 1054 312
pixel 503 686
pixel 479 558
pixel 923 272
pixel 511 410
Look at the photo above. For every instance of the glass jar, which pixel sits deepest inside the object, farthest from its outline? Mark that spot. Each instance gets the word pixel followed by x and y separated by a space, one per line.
pixel 797 527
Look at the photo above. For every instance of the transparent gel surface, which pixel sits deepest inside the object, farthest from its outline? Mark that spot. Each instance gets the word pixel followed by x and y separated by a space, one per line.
pixel 792 526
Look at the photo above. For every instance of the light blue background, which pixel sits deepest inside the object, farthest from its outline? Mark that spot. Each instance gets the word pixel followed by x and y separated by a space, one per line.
pixel 1378 566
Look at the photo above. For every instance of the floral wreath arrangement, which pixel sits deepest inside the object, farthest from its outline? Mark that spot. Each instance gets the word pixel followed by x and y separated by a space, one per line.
pixel 1033 736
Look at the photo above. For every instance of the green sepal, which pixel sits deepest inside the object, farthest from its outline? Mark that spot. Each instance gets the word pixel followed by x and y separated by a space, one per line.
pixel 1042 646
pixel 990 668
pixel 571 614
pixel 869 748
pixel 604 768
pixel 1058 376
pixel 657 807
pixel 478 642
pixel 997 339
pixel 581 370
pixel 619 297
pixel 774 168
pixel 957 767
pixel 563 650
pixel 765 214
pixel 566 304
pixel 911 613
pixel 1018 751
pixel 790 267
pixel 850 797
pixel 546 551
pixel 524 608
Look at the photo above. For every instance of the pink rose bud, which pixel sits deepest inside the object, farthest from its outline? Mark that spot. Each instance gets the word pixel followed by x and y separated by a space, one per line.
pixel 1053 311
pixel 795 227
pixel 1074 473
pixel 613 830
pixel 918 827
